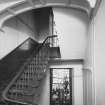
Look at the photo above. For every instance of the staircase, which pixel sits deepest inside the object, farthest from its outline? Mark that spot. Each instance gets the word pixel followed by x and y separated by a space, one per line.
pixel 25 88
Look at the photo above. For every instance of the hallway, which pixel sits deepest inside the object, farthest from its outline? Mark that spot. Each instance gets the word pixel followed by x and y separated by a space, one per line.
pixel 51 52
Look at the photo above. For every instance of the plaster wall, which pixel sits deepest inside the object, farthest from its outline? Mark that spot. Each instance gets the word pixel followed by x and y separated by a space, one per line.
pixel 71 26
pixel 99 54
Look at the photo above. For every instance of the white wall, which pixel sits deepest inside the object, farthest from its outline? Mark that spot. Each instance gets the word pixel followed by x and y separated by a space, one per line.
pixel 99 55
pixel 71 26
pixel 88 73
pixel 45 93
pixel 78 86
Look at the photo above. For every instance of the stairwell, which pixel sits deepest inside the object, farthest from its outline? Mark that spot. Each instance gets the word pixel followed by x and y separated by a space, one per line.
pixel 25 87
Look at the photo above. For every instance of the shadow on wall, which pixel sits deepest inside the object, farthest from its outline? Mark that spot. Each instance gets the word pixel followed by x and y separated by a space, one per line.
pixel 45 90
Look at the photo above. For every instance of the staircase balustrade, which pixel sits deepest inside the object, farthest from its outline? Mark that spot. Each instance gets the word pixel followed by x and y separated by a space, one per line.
pixel 26 85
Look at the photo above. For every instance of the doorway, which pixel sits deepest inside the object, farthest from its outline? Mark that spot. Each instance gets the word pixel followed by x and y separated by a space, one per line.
pixel 60 86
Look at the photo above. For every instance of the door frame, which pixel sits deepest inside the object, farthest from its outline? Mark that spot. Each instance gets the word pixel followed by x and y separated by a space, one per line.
pixel 65 64
pixel 70 79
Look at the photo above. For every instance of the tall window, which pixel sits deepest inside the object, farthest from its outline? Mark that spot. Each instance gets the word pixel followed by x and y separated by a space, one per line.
pixel 61 86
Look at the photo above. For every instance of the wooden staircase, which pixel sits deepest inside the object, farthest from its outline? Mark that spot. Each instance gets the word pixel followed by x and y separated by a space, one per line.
pixel 25 88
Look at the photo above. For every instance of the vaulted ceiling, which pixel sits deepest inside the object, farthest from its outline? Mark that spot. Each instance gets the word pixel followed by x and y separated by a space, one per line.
pixel 10 8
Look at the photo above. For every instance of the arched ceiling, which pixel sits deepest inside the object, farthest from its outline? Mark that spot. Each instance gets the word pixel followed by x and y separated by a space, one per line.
pixel 10 8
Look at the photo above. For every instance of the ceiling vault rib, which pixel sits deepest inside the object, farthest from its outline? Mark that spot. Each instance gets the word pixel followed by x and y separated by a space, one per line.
pixel 43 2
pixel 11 11
pixel 96 8
pixel 31 3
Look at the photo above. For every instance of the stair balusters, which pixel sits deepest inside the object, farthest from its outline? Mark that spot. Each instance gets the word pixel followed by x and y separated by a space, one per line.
pixel 25 87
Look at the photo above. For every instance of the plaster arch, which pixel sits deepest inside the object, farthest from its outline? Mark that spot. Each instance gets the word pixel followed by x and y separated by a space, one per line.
pixel 25 6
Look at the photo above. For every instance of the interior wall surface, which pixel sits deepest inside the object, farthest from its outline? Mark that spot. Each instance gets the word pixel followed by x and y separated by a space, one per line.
pixel 71 26
pixel 45 90
pixel 42 17
pixel 99 55
pixel 88 74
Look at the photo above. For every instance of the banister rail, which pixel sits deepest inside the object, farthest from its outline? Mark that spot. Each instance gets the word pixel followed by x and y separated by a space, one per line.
pixel 48 37
pixel 1 59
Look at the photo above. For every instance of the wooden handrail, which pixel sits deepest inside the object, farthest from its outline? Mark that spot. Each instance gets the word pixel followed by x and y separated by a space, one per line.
pixel 48 37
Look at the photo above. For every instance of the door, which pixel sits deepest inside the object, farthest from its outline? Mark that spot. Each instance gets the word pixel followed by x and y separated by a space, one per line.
pixel 61 86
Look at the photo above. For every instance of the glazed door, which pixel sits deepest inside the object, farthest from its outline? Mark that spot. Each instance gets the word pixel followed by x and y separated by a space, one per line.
pixel 61 86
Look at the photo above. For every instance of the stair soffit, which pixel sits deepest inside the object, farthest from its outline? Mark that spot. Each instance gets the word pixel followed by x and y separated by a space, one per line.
pixel 14 8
